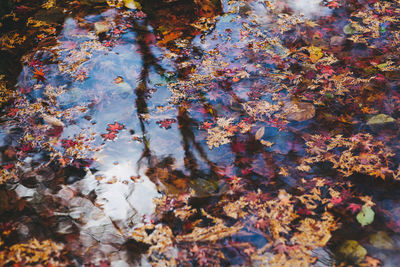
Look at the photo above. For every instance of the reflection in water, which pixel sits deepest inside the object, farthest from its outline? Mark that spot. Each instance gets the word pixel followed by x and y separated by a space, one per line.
pixel 119 80
pixel 233 131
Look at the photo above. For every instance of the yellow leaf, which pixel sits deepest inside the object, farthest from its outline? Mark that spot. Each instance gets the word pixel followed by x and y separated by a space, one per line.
pixel 132 4
pixel 266 143
pixel 315 53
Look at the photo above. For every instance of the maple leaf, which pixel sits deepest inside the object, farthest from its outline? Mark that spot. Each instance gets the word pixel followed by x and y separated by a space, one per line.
pixel 39 75
pixel 68 143
pixel 206 125
pixel 26 147
pixel 354 207
pixel 63 161
pixel 166 123
pixel 333 4
pixel 327 70
pixel 34 63
pixel 117 31
pixel 12 112
pixel 336 200
pixel 109 136
pixel 8 166
pixel 109 43
pixel 81 76
pixel 140 15
pixel 25 90
pixel 304 211
pixel 115 127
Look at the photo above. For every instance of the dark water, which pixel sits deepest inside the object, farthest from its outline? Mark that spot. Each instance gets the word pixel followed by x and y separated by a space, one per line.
pixel 108 108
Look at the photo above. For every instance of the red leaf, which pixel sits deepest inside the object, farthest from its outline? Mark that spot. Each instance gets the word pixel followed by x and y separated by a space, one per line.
pixel 206 125
pixel 336 200
pixel 109 136
pixel 354 207
pixel 26 148
pixel 115 127
pixel 304 211
pixel 8 166
pixel 166 123
pixel 39 74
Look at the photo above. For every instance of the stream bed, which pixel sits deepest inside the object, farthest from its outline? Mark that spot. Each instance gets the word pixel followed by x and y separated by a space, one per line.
pixel 199 133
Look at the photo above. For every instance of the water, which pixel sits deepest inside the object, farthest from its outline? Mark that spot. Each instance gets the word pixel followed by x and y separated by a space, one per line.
pixel 175 133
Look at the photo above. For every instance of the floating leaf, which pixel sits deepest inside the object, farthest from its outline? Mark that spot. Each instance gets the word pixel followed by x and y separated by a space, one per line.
pixel 266 143
pixel 115 127
pixel 380 119
pixel 365 216
pixel 52 120
pixel 260 133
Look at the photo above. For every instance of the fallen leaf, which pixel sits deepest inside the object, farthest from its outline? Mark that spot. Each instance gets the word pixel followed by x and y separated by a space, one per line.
pixel 315 53
pixel 353 251
pixel 260 133
pixel 381 240
pixel 52 120
pixel 300 111
pixel 380 119
pixel 365 216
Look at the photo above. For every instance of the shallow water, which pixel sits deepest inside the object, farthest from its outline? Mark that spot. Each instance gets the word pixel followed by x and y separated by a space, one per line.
pixel 272 125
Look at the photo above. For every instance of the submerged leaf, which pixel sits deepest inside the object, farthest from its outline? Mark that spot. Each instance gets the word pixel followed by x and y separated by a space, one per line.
pixel 353 251
pixel 380 119
pixel 300 111
pixel 381 240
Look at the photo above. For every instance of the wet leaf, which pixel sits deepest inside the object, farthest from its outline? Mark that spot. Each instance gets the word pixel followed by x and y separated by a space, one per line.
pixel 349 29
pixel 260 133
pixel 365 216
pixel 132 4
pixel 381 240
pixel 300 111
pixel 353 251
pixel 380 119
pixel 52 120
pixel 102 26
pixel 266 143
pixel 115 127
pixel 315 53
